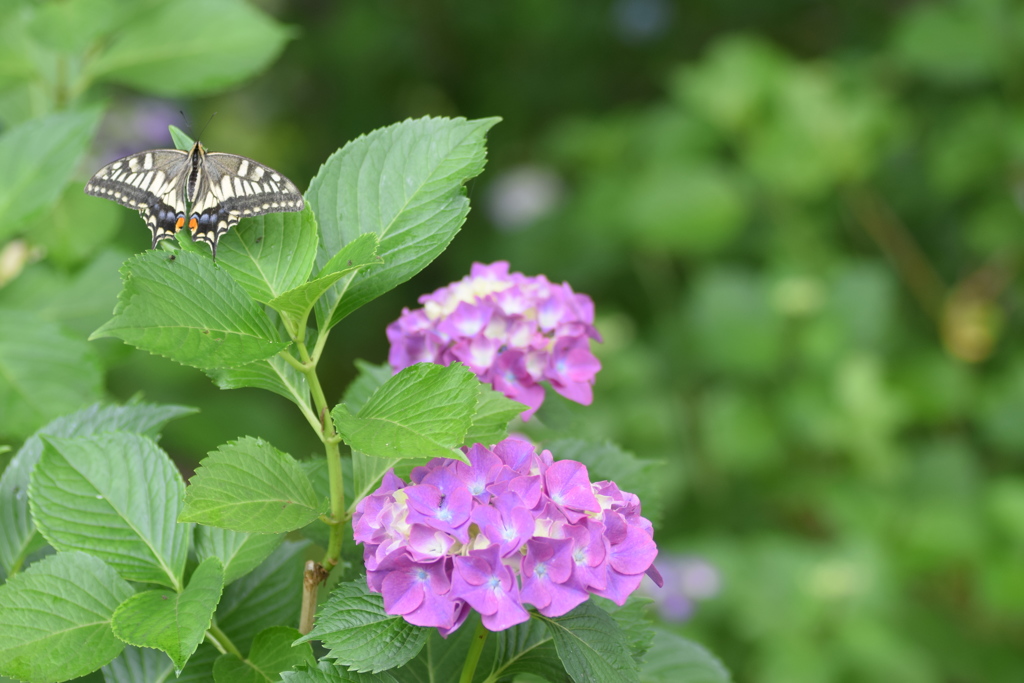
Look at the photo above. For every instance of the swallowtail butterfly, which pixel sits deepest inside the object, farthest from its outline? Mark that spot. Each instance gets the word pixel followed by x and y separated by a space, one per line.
pixel 221 189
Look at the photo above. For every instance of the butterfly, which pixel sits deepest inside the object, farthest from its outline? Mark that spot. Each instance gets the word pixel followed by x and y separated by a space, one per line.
pixel 221 189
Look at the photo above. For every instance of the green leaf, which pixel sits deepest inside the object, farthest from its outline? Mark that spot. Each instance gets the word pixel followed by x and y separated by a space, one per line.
pixel 369 380
pixel 44 372
pixel 191 311
pixel 367 470
pixel 423 411
pixel 526 648
pixel 634 621
pixel 360 634
pixel 607 461
pixel 674 659
pixel 181 139
pixel 591 646
pixel 139 665
pixel 406 184
pixel 18 530
pixel 115 495
pixel 272 652
pixel 173 622
pixel 228 42
pixel 268 596
pixel 325 672
pixel 296 303
pixel 493 413
pixel 37 159
pixel 238 552
pixel 273 374
pixel 55 618
pixel 73 26
pixel 269 255
pixel 248 485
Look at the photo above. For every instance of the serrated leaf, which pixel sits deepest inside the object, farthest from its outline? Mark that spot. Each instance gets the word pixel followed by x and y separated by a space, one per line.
pixel 248 485
pixel 172 622
pixel 269 255
pixel 674 659
pixel 191 311
pixel 406 184
pixel 296 303
pixel 55 618
pixel 634 621
pixel 273 374
pixel 237 551
pixel 353 625
pixel 493 413
pixel 18 530
pixel 591 646
pixel 526 648
pixel 44 372
pixel 139 665
pixel 37 159
pixel 268 596
pixel 325 672
pixel 116 496
pixel 605 460
pixel 230 42
pixel 423 411
pixel 271 653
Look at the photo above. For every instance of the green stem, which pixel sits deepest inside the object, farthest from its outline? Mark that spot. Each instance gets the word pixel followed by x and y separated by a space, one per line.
pixel 220 641
pixel 329 436
pixel 473 656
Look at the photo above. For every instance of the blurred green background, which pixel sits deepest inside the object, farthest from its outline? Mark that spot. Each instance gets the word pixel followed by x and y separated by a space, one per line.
pixel 800 222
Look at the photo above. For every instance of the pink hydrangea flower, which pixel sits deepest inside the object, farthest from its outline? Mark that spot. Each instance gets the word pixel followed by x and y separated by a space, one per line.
pixel 512 528
pixel 512 330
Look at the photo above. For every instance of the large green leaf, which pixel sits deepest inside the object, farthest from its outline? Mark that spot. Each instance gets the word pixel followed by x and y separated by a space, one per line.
pixel 295 304
pixel 227 41
pixel 423 411
pixel 248 485
pixel 353 625
pixel 591 646
pixel 139 665
pixel 239 552
pixel 55 618
pixel 191 311
pixel 406 184
pixel 18 530
pixel 269 595
pixel 674 659
pixel 44 372
pixel 272 652
pixel 526 648
pixel 493 413
pixel 37 159
pixel 273 374
pixel 269 255
pixel 117 496
pixel 172 622
pixel 325 672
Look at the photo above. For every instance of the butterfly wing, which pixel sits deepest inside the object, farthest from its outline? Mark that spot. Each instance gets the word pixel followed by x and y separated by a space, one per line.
pixel 151 182
pixel 232 187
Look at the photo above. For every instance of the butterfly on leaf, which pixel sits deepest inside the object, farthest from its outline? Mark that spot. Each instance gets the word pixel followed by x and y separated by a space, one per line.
pixel 208 192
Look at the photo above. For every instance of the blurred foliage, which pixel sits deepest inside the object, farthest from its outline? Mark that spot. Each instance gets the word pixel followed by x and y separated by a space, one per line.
pixel 800 221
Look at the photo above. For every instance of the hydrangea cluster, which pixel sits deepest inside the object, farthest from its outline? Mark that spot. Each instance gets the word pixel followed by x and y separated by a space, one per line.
pixel 510 528
pixel 513 331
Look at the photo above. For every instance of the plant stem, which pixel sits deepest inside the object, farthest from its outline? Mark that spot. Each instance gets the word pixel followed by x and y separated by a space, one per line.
pixel 473 656
pixel 220 641
pixel 329 436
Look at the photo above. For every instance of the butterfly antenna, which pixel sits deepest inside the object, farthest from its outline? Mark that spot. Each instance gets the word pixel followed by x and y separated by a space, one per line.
pixel 185 119
pixel 207 124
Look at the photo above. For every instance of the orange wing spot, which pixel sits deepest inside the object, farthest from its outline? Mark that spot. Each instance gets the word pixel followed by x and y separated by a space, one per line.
pixel 180 224
pixel 193 225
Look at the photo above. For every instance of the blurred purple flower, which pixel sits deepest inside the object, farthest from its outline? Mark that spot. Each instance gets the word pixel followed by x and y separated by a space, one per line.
pixel 687 580
pixel 513 331
pixel 512 528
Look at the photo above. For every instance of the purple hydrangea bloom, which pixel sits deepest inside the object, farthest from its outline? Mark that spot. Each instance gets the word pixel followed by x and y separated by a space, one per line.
pixel 513 331
pixel 512 528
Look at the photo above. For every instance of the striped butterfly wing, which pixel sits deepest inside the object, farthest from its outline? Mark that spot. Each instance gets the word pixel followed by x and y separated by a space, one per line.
pixel 231 187
pixel 153 183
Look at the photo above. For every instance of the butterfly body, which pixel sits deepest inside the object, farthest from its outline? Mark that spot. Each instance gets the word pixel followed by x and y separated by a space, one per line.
pixel 207 192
